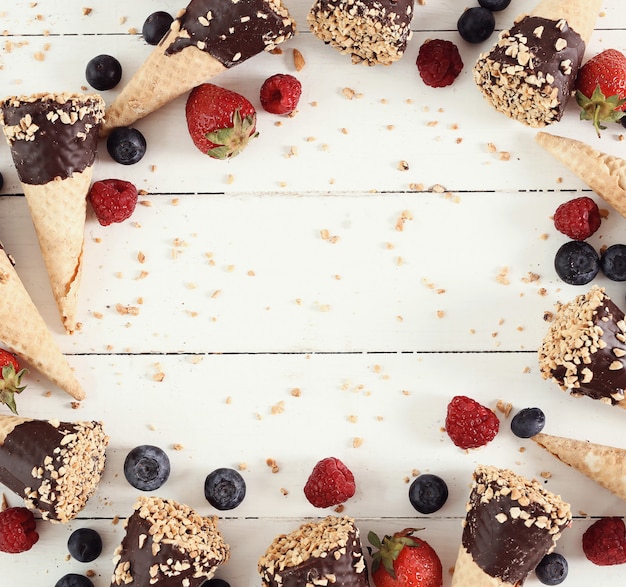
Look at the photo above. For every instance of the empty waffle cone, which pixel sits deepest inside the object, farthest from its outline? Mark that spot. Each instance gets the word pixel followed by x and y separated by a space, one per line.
pixel 207 37
pixel 24 332
pixel 603 173
pixel 603 464
pixel 581 15
pixel 53 140
pixel 468 574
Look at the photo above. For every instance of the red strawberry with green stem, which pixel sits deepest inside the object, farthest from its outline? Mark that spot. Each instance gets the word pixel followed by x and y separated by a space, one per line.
pixel 220 122
pixel 10 379
pixel 601 88
pixel 404 560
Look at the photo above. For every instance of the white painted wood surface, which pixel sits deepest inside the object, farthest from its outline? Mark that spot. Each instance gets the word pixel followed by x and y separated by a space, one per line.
pixel 240 299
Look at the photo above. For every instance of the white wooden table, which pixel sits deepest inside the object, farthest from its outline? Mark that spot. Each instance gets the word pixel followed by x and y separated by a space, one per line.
pixel 242 297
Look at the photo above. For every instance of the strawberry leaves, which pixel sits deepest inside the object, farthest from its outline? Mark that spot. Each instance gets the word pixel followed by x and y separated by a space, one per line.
pixel 600 108
pixel 230 141
pixel 10 384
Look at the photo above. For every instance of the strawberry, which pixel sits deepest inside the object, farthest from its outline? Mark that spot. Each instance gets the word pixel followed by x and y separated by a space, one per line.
pixel 601 88
pixel 330 483
pixel 10 379
pixel 113 200
pixel 18 530
pixel 404 560
pixel 604 542
pixel 220 121
pixel 470 424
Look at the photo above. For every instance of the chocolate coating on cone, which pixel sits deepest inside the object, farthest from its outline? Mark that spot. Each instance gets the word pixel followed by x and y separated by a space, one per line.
pixel 51 135
pixel 317 553
pixel 55 466
pixel 168 544
pixel 371 31
pixel 584 350
pixel 511 523
pixel 530 73
pixel 232 30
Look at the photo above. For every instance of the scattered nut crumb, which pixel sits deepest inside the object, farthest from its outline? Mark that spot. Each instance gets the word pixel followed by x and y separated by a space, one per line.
pixel 357 442
pixel 272 464
pixel 178 446
pixel 87 11
pixel 298 60
pixel 504 407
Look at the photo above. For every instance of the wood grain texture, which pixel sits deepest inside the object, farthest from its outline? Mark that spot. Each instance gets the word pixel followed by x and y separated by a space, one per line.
pixel 309 298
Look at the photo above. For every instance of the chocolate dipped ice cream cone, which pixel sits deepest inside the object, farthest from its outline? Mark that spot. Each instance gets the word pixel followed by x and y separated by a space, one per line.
pixel 53 140
pixel 585 347
pixel 370 31
pixel 207 38
pixel 167 544
pixel 510 525
pixel 529 74
pixel 606 465
pixel 55 466
pixel 321 552
pixel 24 332
pixel 603 173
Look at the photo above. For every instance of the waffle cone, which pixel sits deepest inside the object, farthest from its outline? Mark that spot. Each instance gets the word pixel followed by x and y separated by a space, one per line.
pixel 605 465
pixel 468 574
pixel 8 424
pixel 58 210
pixel 580 15
pixel 603 173
pixel 24 332
pixel 160 79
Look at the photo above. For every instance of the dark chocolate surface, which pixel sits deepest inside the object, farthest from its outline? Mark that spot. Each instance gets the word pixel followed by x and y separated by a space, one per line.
pixel 509 550
pixel 605 382
pixel 231 31
pixel 25 449
pixel 54 148
pixel 545 57
pixel 339 563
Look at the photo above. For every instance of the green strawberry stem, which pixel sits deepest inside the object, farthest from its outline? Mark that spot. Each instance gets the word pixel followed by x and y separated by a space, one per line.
pixel 599 108
pixel 390 547
pixel 10 384
pixel 229 142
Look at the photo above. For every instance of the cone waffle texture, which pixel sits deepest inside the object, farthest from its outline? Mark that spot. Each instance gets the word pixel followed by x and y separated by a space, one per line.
pixel 8 424
pixel 468 574
pixel 603 464
pixel 603 173
pixel 580 15
pixel 53 140
pixel 160 79
pixel 59 209
pixel 24 332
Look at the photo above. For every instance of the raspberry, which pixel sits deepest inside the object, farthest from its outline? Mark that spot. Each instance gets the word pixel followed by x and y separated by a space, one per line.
pixel 579 218
pixel 470 424
pixel 280 93
pixel 330 483
pixel 18 530
pixel 439 63
pixel 113 200
pixel 604 542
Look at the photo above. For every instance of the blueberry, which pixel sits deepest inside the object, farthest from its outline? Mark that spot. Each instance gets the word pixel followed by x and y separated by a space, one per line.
pixel 576 262
pixel 552 570
pixel 476 24
pixel 494 5
pixel 224 488
pixel 428 493
pixel 103 72
pixel 85 545
pixel 528 422
pixel 613 262
pixel 623 121
pixel 215 582
pixel 126 145
pixel 1 181
pixel 155 27
pixel 146 467
pixel 73 580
